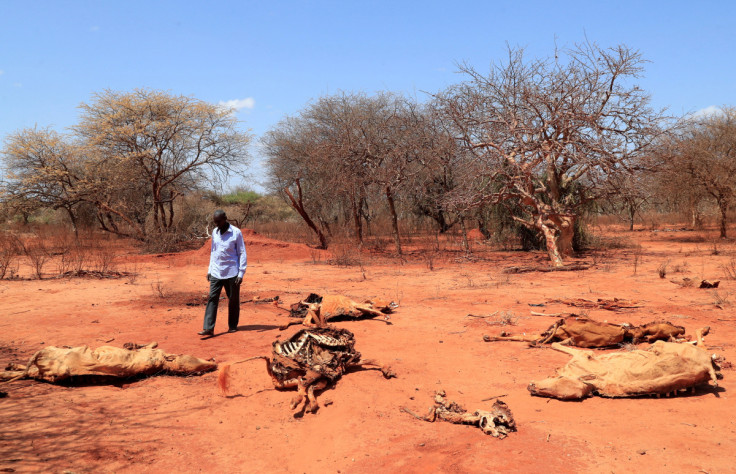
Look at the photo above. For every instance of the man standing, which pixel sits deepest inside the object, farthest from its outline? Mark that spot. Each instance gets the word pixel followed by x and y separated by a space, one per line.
pixel 227 268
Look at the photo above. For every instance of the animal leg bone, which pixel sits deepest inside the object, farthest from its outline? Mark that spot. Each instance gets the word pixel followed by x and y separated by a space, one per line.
pixel 385 369
pixel 312 405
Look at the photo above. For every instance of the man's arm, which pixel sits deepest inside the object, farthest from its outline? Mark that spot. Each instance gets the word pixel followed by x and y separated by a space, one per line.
pixel 243 257
pixel 212 249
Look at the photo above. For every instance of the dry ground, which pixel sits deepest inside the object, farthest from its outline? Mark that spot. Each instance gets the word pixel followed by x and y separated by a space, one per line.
pixel 175 424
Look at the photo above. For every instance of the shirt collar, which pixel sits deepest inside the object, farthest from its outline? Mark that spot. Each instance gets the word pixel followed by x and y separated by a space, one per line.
pixel 229 229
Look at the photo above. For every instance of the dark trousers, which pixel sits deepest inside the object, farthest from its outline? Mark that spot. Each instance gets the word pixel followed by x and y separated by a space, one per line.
pixel 233 308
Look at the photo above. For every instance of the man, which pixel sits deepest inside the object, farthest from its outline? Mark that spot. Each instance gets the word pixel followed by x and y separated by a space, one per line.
pixel 227 268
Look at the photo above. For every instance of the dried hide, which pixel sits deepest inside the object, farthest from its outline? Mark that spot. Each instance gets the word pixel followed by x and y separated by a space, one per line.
pixel 615 304
pixel 663 368
pixel 581 331
pixel 316 311
pixel 309 360
pixel 498 422
pixel 54 364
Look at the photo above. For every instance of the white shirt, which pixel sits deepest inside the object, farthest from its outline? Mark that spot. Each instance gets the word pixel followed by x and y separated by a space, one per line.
pixel 227 256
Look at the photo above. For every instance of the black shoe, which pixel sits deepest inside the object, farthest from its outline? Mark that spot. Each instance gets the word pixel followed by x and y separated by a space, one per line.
pixel 206 333
pixel 232 330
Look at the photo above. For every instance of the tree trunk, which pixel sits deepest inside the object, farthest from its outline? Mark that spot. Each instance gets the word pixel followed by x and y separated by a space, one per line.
pixel 73 220
pixel 357 221
pixel 723 205
pixel 464 228
pixel 298 205
pixel 632 214
pixel 394 219
pixel 171 213
pixel 558 234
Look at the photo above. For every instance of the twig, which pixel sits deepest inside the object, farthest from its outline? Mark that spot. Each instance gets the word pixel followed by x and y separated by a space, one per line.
pixel 19 312
pixel 482 316
pixel 569 268
pixel 496 396
pixel 534 313
pixel 406 410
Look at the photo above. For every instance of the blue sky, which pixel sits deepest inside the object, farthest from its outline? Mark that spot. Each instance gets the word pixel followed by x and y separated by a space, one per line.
pixel 273 57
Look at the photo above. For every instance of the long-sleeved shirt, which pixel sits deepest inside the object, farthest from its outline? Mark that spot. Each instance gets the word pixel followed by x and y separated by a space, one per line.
pixel 227 256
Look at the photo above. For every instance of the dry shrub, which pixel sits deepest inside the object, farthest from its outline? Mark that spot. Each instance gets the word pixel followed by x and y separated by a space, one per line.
pixel 729 269
pixel 37 252
pixel 103 258
pixel 345 255
pixel 662 269
pixel 78 258
pixel 159 288
pixel 9 250
pixel 721 299
pixel 504 318
pixel 599 242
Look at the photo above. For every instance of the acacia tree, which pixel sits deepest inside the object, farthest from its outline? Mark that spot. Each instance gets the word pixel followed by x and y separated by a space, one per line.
pixel 130 156
pixel 703 157
pixel 552 132
pixel 167 143
pixel 43 169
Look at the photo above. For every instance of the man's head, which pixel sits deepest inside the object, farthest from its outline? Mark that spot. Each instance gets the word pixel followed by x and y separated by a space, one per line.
pixel 220 219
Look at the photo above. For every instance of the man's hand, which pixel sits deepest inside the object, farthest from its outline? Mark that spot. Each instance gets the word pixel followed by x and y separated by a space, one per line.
pixel 238 280
pixel 209 277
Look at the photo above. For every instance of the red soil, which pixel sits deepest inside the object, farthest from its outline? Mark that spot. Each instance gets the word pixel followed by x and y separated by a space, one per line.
pixel 167 424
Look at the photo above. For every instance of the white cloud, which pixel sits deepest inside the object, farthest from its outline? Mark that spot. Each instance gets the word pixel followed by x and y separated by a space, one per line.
pixel 706 112
pixel 238 104
pixel 94 28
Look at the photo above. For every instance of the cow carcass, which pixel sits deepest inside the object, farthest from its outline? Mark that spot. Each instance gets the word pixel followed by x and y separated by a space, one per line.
pixel 310 360
pixel 497 422
pixel 581 331
pixel 316 310
pixel 55 364
pixel 662 369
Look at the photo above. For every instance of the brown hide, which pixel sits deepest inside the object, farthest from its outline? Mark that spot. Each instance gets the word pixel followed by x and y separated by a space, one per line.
pixel 581 331
pixel 584 332
pixel 54 364
pixel 656 331
pixel 660 369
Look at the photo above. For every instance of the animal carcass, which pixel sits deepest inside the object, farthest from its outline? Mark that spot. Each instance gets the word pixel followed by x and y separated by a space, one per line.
pixel 309 360
pixel 316 311
pixel 663 368
pixel 54 364
pixel 498 422
pixel 580 331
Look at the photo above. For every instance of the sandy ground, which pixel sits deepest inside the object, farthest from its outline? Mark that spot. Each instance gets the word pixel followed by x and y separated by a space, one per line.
pixel 182 424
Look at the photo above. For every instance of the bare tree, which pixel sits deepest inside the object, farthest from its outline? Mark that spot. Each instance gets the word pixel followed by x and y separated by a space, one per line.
pixel 551 132
pixel 44 169
pixel 343 149
pixel 703 157
pixel 168 143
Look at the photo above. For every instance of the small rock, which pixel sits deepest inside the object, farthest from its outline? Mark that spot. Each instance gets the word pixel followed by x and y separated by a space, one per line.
pixel 641 451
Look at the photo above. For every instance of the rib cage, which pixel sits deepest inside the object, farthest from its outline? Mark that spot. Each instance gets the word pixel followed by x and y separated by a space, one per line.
pixel 290 349
pixel 327 351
